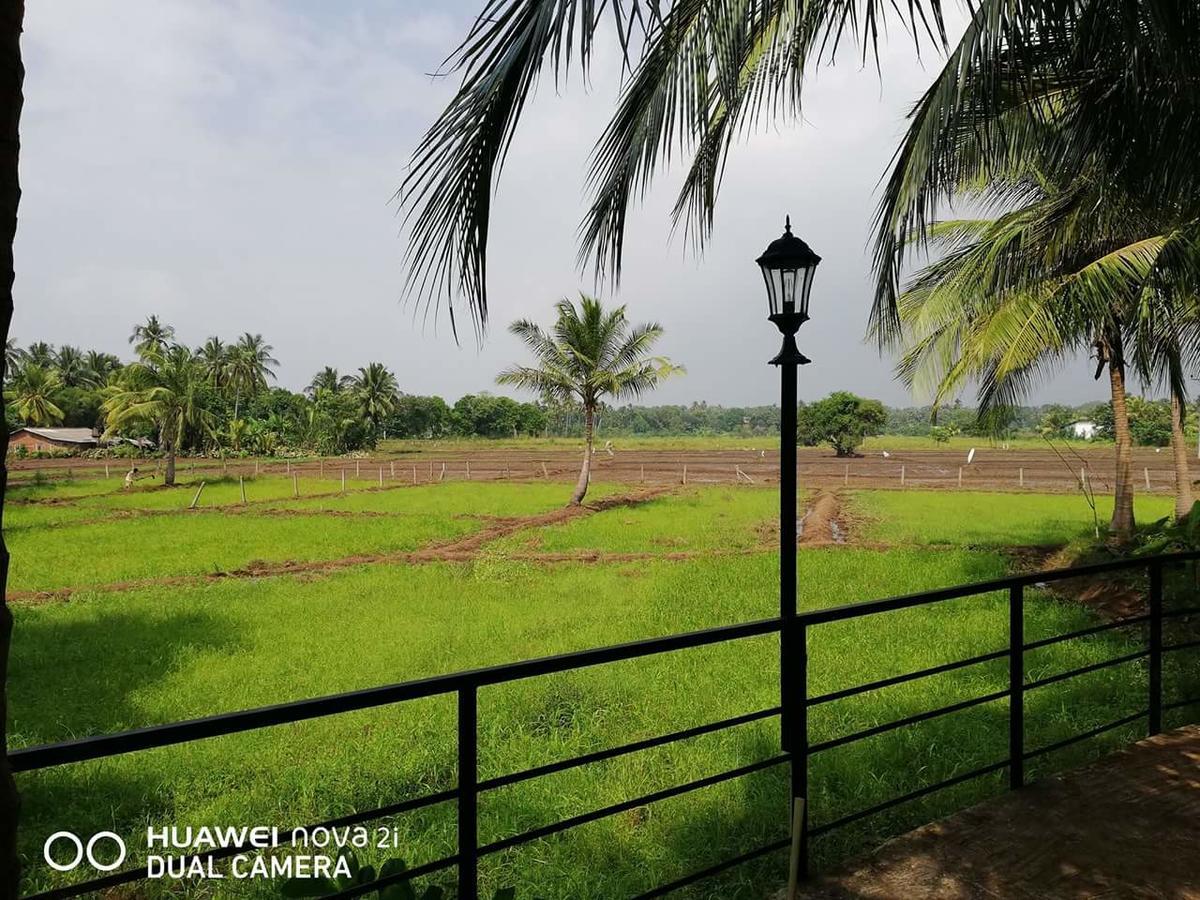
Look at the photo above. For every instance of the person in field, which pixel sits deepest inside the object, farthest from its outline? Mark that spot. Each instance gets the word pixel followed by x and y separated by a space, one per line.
pixel 130 477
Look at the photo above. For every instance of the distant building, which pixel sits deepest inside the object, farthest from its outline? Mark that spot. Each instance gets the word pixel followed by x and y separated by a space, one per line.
pixel 38 439
pixel 75 440
pixel 1085 429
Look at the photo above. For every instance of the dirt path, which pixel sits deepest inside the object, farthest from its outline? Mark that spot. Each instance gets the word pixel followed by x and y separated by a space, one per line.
pixel 824 522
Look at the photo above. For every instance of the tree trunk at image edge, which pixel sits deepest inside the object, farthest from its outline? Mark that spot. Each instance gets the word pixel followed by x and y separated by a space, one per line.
pixel 1121 525
pixel 12 77
pixel 1183 478
pixel 585 473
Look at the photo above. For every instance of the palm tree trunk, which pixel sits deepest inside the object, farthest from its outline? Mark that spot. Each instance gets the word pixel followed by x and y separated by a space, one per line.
pixel 585 473
pixel 12 77
pixel 1183 478
pixel 169 477
pixel 1121 526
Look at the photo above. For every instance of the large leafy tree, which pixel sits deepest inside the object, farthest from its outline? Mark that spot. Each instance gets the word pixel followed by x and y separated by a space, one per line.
pixel 213 356
pixel 842 420
pixel 164 390
pixel 376 390
pixel 41 354
pixel 589 354
pixel 32 392
pixel 71 365
pixel 100 365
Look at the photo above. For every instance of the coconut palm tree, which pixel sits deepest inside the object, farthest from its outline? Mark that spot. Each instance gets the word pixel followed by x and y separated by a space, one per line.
pixel 589 354
pixel 14 357
pixel 163 390
pixel 214 361
pixel 32 392
pixel 250 365
pixel 40 354
pixel 152 337
pixel 328 379
pixel 376 390
pixel 1120 78
pixel 101 365
pixel 1074 267
pixel 72 367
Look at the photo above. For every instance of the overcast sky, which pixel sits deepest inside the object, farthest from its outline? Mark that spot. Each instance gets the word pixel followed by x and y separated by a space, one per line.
pixel 230 166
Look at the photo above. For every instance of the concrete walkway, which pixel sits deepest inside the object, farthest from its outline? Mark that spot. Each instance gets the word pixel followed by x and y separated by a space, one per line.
pixel 1127 826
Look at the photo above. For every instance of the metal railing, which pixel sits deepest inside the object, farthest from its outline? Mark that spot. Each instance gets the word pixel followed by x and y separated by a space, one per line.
pixel 465 686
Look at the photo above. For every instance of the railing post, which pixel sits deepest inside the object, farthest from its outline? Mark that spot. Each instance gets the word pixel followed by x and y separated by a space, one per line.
pixel 468 794
pixel 1156 614
pixel 1016 686
pixel 796 700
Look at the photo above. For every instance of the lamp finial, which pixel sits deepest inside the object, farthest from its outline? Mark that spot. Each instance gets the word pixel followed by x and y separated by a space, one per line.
pixel 787 226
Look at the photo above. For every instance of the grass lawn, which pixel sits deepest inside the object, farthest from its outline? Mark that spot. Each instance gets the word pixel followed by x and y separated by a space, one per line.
pixel 693 520
pixel 987 519
pixel 106 661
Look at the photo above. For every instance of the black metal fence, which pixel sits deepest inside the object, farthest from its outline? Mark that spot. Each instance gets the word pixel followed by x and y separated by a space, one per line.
pixel 796 702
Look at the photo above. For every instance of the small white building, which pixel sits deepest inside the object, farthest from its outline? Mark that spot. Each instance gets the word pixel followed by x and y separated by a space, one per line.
pixel 1085 429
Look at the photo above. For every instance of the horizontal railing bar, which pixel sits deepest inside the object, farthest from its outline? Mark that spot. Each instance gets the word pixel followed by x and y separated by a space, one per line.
pixel 911 676
pixel 154 736
pixel 1179 704
pixel 1067 742
pixel 1085 632
pixel 910 720
pixel 907 601
pixel 1183 645
pixel 1083 670
pixel 714 870
pixel 601 755
pixel 911 795
pixel 378 884
pixel 623 806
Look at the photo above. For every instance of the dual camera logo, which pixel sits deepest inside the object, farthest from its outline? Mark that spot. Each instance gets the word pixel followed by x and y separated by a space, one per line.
pixel 79 850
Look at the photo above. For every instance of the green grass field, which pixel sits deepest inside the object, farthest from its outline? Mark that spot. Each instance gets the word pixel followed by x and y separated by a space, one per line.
pixel 182 644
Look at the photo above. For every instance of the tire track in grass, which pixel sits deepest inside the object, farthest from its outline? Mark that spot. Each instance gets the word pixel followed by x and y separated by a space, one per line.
pixel 463 549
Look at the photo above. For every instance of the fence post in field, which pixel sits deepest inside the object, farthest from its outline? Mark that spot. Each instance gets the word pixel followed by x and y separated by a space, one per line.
pixel 1156 647
pixel 846 475
pixel 685 473
pixel 393 465
pixel 442 474
pixel 287 467
pixel 545 472
pixel 414 474
pixel 643 473
pixel 357 470
pixel 381 476
pixel 242 485
pixel 1083 479
pixel 106 470
pixel 1021 477
pixel 343 480
pixel 1016 686
pixel 902 476
pixel 256 467
pixel 321 468
pixel 468 470
pixel 295 485
pixel 1147 472
pixel 196 499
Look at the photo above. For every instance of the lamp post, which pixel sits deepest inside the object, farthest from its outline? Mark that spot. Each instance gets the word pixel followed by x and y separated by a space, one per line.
pixel 788 266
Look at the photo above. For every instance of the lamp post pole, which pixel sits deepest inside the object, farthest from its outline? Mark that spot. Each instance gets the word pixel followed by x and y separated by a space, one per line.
pixel 788 265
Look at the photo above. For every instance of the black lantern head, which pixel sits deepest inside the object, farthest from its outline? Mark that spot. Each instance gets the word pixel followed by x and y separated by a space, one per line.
pixel 788 265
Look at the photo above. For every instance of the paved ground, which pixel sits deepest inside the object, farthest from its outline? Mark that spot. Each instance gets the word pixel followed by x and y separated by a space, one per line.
pixel 1125 827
